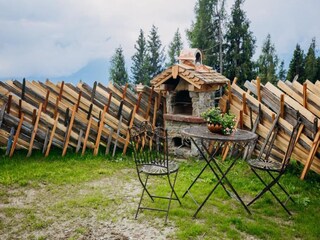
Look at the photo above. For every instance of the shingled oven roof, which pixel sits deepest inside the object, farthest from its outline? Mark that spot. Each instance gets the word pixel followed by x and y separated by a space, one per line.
pixel 200 76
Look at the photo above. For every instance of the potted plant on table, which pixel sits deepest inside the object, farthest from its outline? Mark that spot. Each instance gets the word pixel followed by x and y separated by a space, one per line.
pixel 218 122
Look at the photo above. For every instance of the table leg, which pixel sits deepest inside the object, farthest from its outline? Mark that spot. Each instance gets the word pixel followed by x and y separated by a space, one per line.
pixel 220 179
pixel 208 160
pixel 224 176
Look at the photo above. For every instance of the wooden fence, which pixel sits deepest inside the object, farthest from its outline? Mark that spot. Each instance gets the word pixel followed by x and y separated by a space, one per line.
pixel 36 115
pixel 294 101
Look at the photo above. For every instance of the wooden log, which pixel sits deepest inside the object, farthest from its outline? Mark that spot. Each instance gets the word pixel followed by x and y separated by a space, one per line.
pixel 272 101
pixel 118 129
pixel 23 89
pixel 244 103
pixel 313 88
pixel 52 135
pixel 79 100
pixel 282 105
pixel 313 99
pixel 34 131
pixel 138 103
pixel 10 141
pixel 86 136
pixel 305 102
pixel 45 120
pixel 258 89
pixel 315 146
pixel 266 114
pixel 101 125
pixel 109 142
pixel 61 90
pixel 16 136
pixel 304 112
pixel 300 98
pixel 300 153
pixel 9 104
pixel 149 104
pixel 128 135
pixel 46 141
pixel 2 112
pixel 46 101
pixel 79 140
pixel 68 133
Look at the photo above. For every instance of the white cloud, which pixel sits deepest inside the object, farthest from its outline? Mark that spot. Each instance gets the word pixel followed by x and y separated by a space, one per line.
pixel 58 37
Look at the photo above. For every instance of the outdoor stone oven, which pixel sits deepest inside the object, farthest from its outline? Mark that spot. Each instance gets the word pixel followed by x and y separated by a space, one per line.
pixel 190 88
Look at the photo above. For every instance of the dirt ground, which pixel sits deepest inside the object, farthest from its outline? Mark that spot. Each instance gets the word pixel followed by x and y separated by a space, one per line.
pixel 102 209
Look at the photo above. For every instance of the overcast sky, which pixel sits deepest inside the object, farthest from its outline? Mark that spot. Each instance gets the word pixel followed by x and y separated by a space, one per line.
pixel 57 38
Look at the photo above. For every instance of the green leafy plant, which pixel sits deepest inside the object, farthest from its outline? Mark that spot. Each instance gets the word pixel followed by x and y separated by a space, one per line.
pixel 215 116
pixel 212 115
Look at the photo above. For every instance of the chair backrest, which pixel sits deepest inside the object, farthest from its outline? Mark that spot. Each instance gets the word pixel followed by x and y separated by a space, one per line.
pixel 269 140
pixel 150 145
pixel 292 142
pixel 268 144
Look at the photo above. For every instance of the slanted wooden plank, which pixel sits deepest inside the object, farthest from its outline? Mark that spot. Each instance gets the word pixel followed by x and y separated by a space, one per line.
pixel 61 90
pixel 313 88
pixel 259 88
pixel 149 103
pixel 118 129
pixel 79 140
pixel 66 143
pixel 86 136
pixel 101 125
pixel 2 112
pixel 46 141
pixel 128 135
pixel 52 135
pixel 310 116
pixel 45 104
pixel 300 153
pixel 34 131
pixel 315 146
pixel 9 103
pixel 16 136
pixel 305 97
pixel 10 140
pixel 109 142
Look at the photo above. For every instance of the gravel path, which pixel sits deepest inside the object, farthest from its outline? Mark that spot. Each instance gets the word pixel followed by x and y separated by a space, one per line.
pixel 91 210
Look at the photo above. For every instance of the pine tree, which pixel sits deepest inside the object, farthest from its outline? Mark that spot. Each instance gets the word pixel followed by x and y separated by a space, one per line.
pixel 118 73
pixel 310 67
pixel 174 48
pixel 139 68
pixel 282 72
pixel 206 32
pixel 318 63
pixel 240 46
pixel 296 65
pixel 268 62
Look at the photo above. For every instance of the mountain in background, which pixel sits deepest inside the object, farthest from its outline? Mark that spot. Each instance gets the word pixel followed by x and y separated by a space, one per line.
pixel 96 70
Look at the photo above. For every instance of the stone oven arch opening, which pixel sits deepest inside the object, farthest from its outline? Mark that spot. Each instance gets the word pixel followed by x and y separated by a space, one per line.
pixel 182 103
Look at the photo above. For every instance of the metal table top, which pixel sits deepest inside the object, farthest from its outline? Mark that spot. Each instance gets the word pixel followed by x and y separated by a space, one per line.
pixel 203 132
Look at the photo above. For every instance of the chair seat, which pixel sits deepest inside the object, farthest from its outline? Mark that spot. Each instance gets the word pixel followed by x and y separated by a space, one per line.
pixel 154 169
pixel 265 164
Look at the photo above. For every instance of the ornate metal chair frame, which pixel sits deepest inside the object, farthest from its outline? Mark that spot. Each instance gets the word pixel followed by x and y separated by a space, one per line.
pixel 150 151
pixel 274 169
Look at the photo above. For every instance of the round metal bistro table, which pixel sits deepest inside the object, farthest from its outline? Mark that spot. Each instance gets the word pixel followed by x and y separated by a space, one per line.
pixel 209 146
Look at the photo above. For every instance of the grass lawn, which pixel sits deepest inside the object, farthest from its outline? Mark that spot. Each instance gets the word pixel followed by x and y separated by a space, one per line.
pixel 96 197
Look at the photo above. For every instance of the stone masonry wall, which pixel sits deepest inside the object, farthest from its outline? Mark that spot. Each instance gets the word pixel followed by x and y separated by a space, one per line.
pixel 174 130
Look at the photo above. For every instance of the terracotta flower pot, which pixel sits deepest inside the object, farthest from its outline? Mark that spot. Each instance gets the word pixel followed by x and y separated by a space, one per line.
pixel 215 127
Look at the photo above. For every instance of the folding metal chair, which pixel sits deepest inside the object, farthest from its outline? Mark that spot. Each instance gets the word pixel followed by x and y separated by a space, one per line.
pixel 275 169
pixel 150 151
